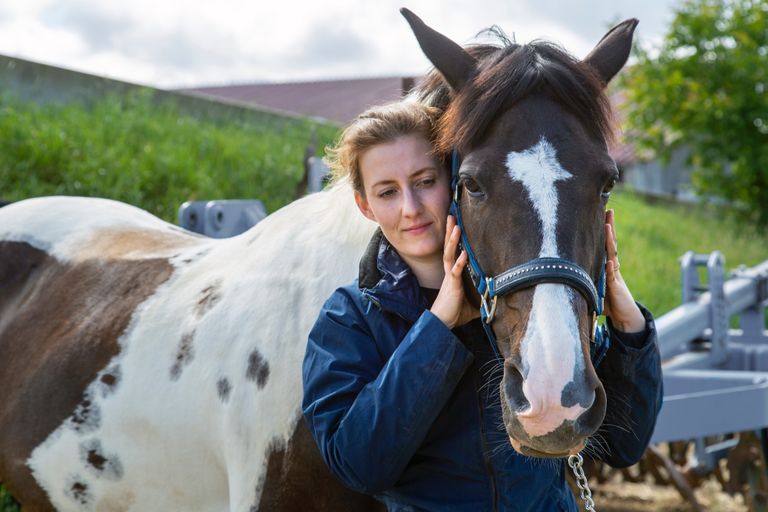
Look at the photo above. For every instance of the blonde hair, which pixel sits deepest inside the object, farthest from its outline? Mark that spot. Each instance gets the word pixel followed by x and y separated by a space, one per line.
pixel 378 125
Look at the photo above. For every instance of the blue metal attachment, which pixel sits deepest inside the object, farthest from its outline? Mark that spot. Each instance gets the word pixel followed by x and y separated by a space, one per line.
pixel 221 219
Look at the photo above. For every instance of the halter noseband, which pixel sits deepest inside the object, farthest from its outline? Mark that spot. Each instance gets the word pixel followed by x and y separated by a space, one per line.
pixel 530 273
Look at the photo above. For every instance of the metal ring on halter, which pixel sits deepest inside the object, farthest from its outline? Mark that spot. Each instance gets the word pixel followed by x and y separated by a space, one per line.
pixel 484 303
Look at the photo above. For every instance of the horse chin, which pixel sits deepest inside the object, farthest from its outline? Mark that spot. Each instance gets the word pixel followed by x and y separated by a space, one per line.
pixel 533 452
pixel 561 442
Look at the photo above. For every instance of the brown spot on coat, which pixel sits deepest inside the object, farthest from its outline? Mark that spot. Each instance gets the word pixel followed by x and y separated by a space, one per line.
pixel 208 298
pixel 102 465
pixel 109 379
pixel 184 355
pixel 224 388
pixel 258 369
pixel 96 460
pixel 78 491
pixel 87 416
pixel 59 326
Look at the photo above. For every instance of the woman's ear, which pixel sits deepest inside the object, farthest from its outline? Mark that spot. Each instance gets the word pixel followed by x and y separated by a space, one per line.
pixel 363 206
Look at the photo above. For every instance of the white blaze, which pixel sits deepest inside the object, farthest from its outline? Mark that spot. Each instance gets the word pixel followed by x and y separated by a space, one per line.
pixel 551 344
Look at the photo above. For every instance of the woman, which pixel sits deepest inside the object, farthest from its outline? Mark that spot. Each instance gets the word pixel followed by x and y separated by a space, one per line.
pixel 395 388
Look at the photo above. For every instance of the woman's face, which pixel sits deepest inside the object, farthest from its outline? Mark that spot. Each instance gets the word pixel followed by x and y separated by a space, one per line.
pixel 407 193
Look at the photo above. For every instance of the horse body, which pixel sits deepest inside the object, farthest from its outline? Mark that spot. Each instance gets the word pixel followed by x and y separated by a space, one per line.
pixel 173 362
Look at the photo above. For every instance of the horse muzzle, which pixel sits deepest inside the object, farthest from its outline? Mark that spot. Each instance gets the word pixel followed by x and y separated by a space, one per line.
pixel 550 424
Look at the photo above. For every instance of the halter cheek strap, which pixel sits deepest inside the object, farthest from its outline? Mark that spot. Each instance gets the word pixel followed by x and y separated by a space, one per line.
pixel 530 273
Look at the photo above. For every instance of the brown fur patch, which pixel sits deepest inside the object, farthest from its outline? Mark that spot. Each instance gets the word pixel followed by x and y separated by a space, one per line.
pixel 59 326
pixel 135 244
pixel 298 480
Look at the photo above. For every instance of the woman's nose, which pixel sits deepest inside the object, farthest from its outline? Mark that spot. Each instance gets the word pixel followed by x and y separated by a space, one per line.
pixel 412 204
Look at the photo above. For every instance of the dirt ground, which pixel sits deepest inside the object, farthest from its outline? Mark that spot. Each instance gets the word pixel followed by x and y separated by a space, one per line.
pixel 616 496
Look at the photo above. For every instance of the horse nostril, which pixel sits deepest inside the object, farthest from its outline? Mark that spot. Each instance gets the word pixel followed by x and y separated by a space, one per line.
pixel 577 394
pixel 586 424
pixel 513 389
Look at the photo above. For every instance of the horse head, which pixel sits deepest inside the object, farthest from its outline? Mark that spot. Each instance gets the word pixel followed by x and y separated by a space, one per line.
pixel 531 125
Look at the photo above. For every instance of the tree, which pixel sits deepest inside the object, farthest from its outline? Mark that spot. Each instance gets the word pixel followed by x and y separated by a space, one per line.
pixel 706 88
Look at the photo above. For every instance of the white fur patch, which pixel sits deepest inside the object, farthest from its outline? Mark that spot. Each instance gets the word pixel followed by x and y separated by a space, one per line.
pixel 551 346
pixel 538 169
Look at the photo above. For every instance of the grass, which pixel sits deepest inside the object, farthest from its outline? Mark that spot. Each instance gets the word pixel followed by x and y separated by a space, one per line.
pixel 653 235
pixel 7 503
pixel 149 154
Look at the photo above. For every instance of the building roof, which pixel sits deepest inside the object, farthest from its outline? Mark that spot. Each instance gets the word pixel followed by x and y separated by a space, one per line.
pixel 336 100
pixel 340 101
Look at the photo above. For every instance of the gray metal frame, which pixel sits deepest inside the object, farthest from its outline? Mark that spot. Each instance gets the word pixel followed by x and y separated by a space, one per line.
pixel 221 219
pixel 715 378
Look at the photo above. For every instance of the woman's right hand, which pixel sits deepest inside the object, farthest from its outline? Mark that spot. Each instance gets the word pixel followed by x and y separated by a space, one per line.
pixel 451 305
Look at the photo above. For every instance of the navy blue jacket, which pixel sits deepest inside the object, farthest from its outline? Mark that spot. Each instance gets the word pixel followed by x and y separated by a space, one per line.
pixel 407 410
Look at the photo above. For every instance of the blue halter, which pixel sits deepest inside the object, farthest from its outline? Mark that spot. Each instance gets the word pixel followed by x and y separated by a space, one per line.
pixel 530 273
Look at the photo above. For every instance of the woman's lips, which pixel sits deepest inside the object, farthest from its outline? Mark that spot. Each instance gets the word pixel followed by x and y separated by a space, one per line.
pixel 419 229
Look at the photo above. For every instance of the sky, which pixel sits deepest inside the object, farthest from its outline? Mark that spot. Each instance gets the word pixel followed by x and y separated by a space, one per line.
pixel 187 43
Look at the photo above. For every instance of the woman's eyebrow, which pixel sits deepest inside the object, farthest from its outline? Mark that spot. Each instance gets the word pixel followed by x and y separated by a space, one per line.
pixel 414 174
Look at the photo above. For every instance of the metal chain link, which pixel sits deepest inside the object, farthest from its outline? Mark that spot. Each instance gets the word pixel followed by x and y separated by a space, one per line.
pixel 575 462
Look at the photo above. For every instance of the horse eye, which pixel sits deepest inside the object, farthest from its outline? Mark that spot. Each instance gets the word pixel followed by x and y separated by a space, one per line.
pixel 472 187
pixel 608 187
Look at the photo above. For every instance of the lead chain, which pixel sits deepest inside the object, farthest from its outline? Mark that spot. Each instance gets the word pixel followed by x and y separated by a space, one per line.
pixel 575 462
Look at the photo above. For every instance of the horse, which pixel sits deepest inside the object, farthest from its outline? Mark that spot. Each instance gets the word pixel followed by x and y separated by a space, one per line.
pixel 147 368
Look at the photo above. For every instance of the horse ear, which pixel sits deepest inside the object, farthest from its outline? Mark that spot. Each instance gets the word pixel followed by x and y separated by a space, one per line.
pixel 455 64
pixel 611 53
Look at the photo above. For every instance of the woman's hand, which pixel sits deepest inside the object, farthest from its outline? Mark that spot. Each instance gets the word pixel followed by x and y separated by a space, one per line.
pixel 619 304
pixel 451 305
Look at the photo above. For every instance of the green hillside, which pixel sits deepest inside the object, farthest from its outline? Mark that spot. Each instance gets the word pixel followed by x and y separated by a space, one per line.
pixel 149 154
pixel 653 235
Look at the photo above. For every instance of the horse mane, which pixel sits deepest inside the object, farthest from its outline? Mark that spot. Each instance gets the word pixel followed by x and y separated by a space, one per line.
pixel 506 74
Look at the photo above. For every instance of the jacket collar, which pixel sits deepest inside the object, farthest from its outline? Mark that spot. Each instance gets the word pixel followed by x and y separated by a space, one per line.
pixel 387 280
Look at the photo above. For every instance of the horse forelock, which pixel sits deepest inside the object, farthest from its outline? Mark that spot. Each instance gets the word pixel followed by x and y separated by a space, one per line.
pixel 506 75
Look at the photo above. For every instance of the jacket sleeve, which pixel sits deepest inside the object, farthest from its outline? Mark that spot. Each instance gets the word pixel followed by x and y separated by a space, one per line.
pixel 631 376
pixel 369 413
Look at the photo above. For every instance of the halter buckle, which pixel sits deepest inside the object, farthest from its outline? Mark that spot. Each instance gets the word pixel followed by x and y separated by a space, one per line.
pixel 488 313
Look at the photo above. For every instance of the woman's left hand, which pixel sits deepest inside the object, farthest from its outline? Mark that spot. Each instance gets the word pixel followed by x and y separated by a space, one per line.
pixel 619 304
pixel 451 305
